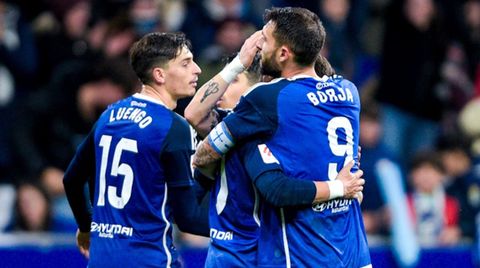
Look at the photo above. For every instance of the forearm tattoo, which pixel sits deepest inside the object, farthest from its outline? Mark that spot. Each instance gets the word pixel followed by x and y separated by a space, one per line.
pixel 212 88
pixel 205 155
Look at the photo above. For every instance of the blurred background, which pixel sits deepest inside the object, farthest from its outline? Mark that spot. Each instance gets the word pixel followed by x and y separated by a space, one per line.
pixel 416 64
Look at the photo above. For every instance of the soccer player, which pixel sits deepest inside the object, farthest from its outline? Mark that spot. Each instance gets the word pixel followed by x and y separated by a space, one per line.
pixel 138 154
pixel 234 220
pixel 311 127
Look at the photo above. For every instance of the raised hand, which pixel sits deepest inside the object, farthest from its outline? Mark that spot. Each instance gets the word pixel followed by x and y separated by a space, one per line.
pixel 250 48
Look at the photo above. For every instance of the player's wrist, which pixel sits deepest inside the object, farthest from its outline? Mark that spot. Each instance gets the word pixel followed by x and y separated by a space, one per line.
pixel 220 139
pixel 336 189
pixel 234 68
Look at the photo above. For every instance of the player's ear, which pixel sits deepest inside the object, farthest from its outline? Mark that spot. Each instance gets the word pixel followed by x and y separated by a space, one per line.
pixel 284 53
pixel 158 75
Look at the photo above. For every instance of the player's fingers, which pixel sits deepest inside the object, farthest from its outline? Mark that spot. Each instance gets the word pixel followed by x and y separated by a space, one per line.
pixel 255 36
pixel 360 181
pixel 252 40
pixel 347 167
pixel 83 251
pixel 358 174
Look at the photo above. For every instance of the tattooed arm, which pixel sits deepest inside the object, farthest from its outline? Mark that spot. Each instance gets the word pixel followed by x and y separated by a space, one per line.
pixel 204 156
pixel 199 111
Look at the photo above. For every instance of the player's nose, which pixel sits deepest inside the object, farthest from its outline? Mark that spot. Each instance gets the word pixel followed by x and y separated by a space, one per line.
pixel 196 69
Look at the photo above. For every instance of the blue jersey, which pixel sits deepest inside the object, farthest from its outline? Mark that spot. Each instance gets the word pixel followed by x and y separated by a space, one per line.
pixel 142 148
pixel 313 130
pixel 233 214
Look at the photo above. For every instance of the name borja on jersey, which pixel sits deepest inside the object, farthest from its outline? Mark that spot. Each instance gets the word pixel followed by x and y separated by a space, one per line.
pixel 332 94
pixel 137 115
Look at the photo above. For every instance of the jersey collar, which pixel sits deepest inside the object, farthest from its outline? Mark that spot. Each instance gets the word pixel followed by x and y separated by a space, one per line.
pixel 148 98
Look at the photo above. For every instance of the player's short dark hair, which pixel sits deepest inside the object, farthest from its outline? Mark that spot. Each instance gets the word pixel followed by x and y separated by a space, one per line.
pixel 299 29
pixel 155 49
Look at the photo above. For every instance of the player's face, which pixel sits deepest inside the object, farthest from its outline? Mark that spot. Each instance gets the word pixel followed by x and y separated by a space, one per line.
pixel 234 91
pixel 181 75
pixel 270 65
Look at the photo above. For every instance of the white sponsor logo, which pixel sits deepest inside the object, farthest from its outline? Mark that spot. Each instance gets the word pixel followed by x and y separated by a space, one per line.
pixel 220 235
pixel 267 156
pixel 139 104
pixel 107 230
pixel 336 205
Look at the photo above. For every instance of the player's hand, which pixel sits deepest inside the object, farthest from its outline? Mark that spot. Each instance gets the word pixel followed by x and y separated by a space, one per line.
pixel 352 182
pixel 359 197
pixel 250 48
pixel 83 243
pixel 359 155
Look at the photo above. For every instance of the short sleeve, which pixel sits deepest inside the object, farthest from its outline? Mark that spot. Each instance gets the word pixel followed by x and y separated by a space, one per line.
pixel 255 115
pixel 177 152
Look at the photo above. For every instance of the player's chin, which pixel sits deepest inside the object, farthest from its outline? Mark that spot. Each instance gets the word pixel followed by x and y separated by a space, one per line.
pixel 190 91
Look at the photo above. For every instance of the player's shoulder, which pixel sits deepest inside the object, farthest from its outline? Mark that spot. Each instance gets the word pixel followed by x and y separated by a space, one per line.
pixel 178 122
pixel 266 89
pixel 342 81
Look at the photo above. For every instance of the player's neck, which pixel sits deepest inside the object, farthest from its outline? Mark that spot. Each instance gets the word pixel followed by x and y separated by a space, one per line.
pixel 161 95
pixel 293 70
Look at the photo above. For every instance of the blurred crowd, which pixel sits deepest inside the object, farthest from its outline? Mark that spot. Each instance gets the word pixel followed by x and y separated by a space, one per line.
pixel 416 64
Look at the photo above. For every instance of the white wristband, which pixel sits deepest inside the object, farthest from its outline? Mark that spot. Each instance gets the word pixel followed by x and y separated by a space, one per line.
pixel 234 68
pixel 336 189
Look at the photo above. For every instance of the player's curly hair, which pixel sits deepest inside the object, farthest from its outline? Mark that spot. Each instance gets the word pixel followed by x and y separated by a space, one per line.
pixel 155 49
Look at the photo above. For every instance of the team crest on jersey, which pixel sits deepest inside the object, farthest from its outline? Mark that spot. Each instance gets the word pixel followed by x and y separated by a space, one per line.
pixel 267 156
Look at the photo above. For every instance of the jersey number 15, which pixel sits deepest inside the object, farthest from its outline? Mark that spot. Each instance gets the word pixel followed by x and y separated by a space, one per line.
pixel 117 169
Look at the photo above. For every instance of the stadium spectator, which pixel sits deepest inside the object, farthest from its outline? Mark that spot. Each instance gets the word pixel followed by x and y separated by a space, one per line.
pixel 68 35
pixel 384 207
pixel 409 73
pixel 229 37
pixel 374 208
pixel 203 17
pixel 461 179
pixel 18 65
pixel 52 122
pixel 435 213
pixel 34 211
pixel 340 46
pixel 142 147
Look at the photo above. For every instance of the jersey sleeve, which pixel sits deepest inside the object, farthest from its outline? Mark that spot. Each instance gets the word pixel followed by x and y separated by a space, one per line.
pixel 176 154
pixel 267 175
pixel 258 159
pixel 79 171
pixel 254 116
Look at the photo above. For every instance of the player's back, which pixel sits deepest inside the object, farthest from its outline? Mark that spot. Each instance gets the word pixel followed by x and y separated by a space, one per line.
pixel 233 214
pixel 131 225
pixel 317 127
